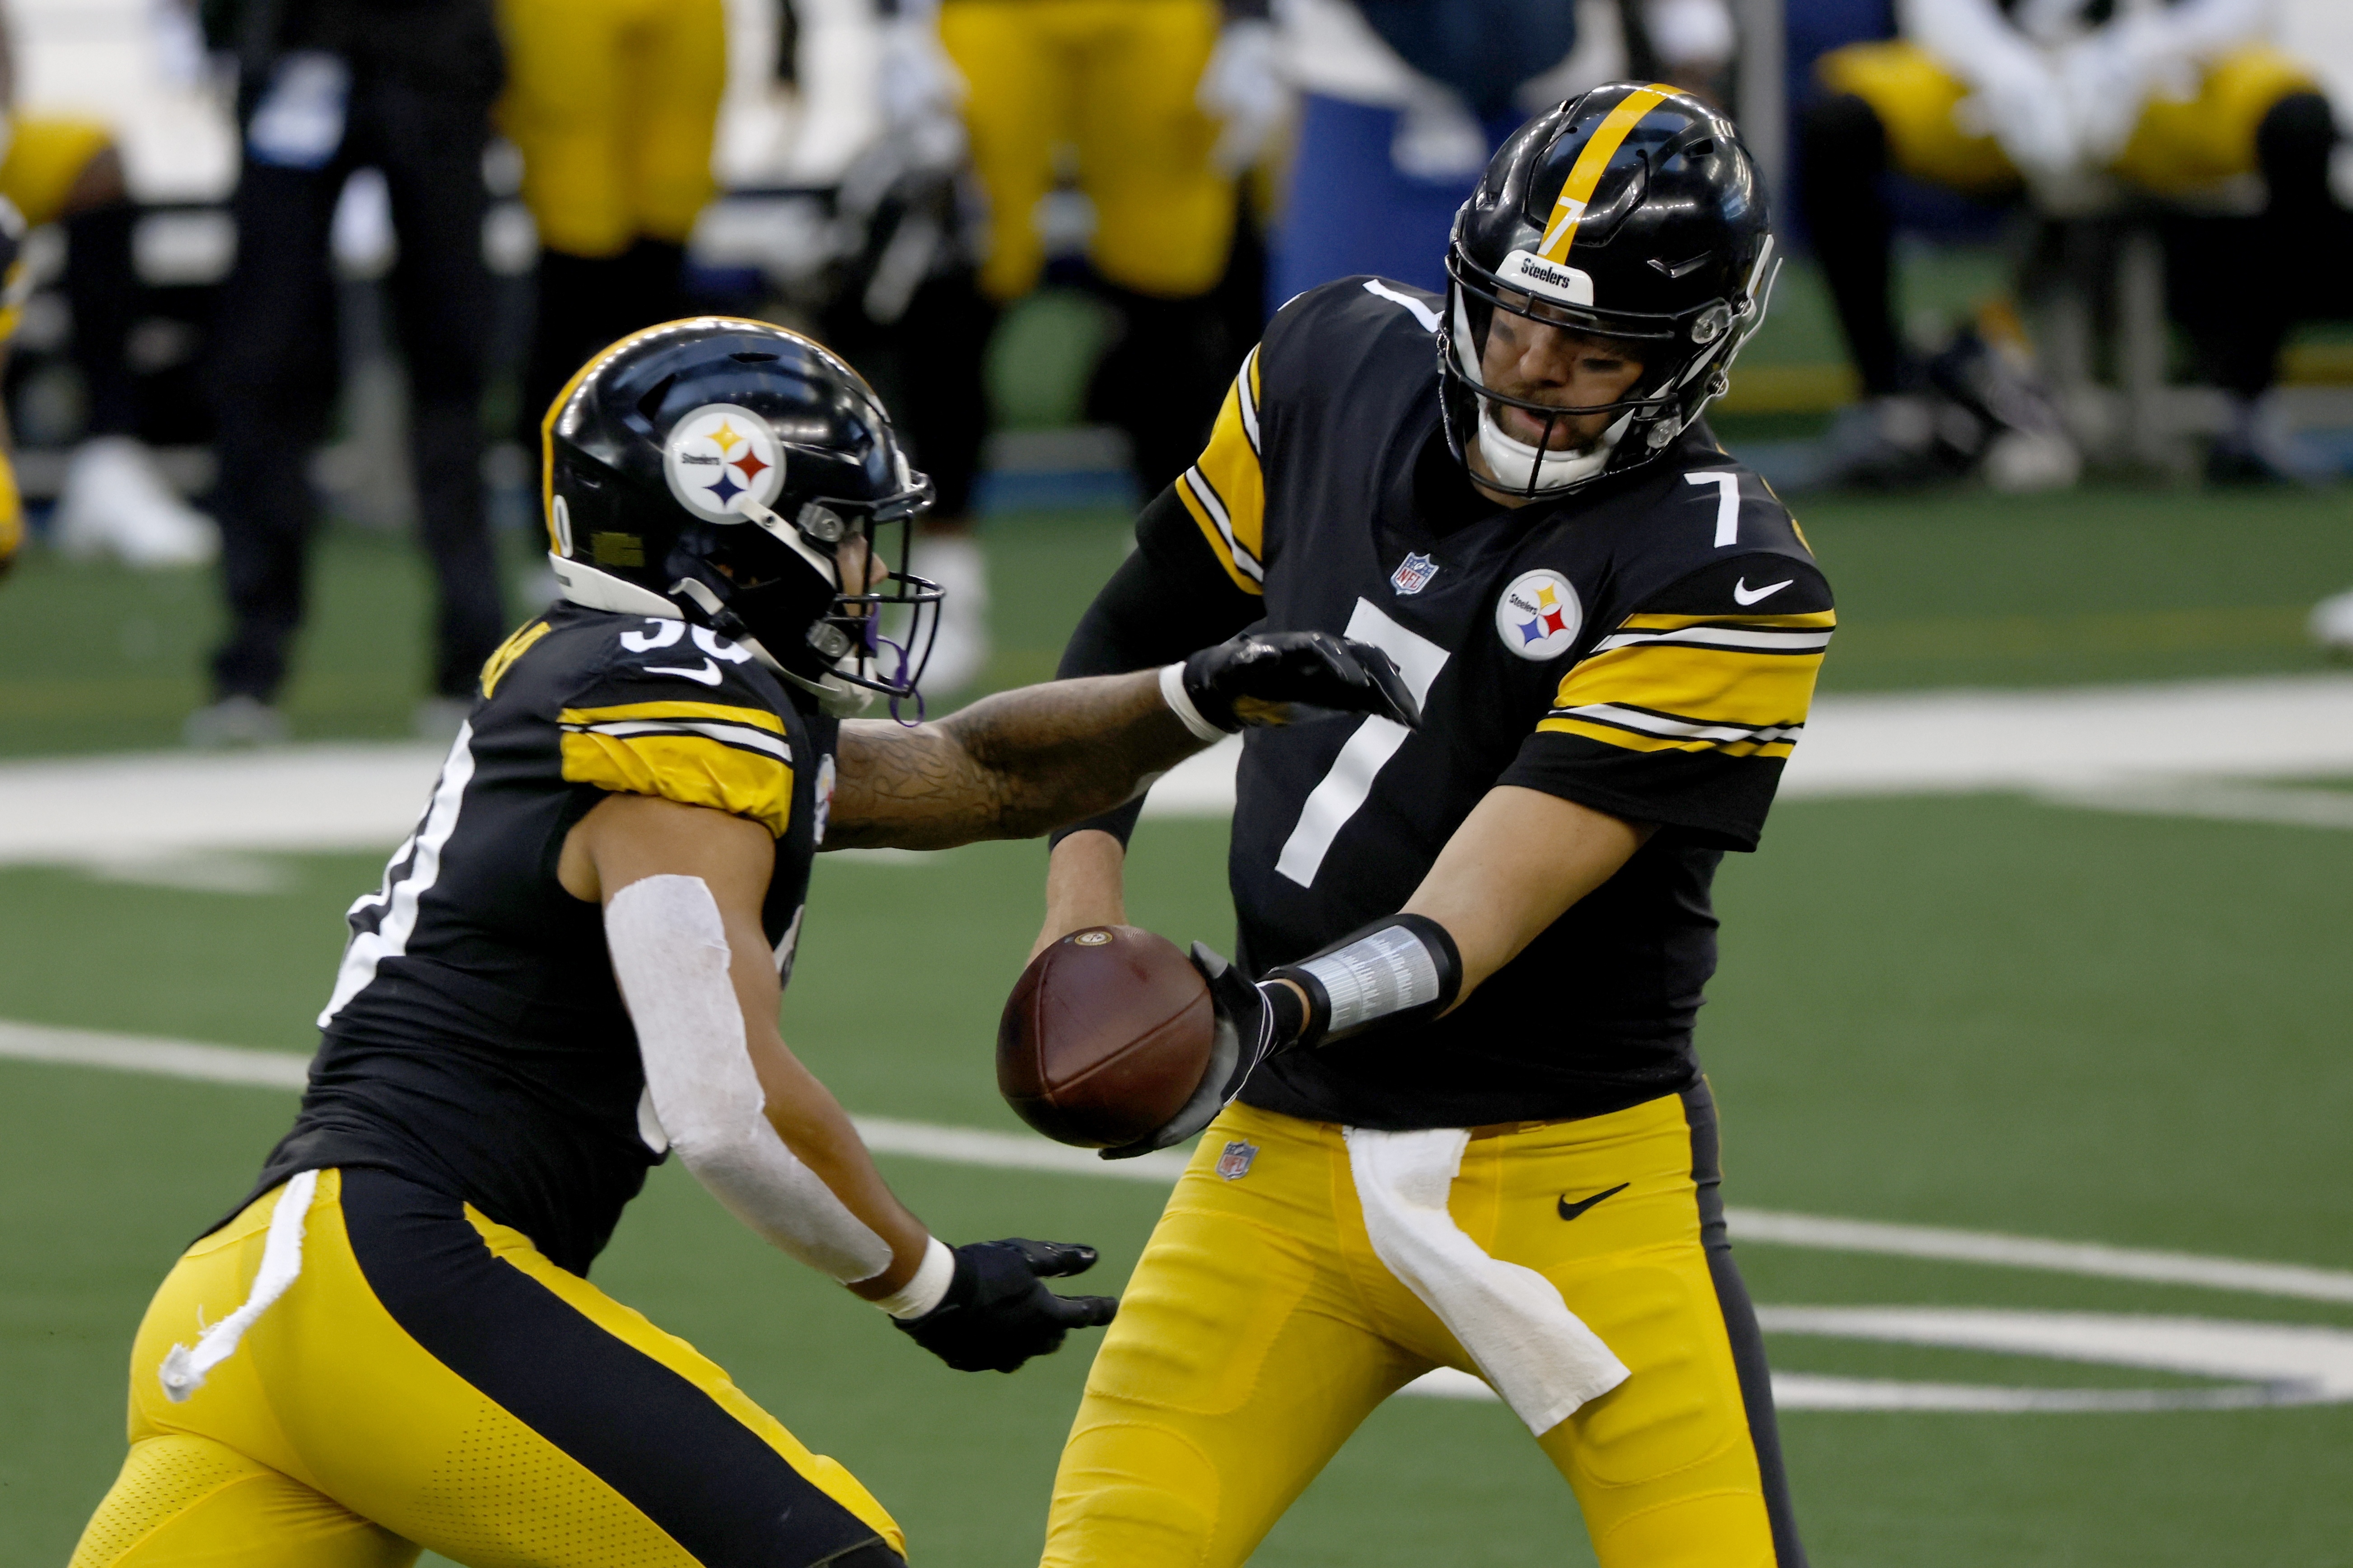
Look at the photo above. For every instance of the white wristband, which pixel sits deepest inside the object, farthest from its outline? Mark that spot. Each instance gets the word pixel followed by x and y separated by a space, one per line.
pixel 927 1286
pixel 1181 702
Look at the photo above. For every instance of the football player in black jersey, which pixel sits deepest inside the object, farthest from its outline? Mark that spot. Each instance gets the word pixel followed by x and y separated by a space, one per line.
pixel 572 967
pixel 1475 1135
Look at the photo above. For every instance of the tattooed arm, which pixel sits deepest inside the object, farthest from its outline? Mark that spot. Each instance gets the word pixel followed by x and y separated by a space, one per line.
pixel 1010 766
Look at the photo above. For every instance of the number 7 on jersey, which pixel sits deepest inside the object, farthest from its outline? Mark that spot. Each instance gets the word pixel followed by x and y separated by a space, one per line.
pixel 1342 792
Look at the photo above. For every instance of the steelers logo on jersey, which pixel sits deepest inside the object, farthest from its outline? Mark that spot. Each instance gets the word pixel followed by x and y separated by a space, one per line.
pixel 1538 615
pixel 718 456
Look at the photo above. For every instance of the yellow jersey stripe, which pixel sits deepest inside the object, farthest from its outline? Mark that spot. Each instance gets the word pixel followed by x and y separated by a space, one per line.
pixel 1697 685
pixel 513 648
pixel 757 718
pixel 690 769
pixel 1229 463
pixel 1568 209
pixel 1226 490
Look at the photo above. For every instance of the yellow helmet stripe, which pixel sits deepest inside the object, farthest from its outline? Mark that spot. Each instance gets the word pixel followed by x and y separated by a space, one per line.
pixel 1560 232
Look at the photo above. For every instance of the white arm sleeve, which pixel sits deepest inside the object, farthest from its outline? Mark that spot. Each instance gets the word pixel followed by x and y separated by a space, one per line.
pixel 669 953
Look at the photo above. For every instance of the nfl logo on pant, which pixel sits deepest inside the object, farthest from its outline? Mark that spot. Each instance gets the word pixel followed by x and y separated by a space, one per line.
pixel 1234 1163
pixel 1413 574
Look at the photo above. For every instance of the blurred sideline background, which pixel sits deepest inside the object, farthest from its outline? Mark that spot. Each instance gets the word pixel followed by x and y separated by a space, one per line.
pixel 2046 942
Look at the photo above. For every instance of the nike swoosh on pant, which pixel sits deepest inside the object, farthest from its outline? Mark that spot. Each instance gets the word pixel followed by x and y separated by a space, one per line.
pixel 1571 1210
pixel 708 674
pixel 1747 595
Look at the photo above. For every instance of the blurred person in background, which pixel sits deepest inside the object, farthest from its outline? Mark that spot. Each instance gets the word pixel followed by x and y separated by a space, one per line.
pixel 614 105
pixel 1403 102
pixel 68 171
pixel 2042 99
pixel 326 87
pixel 12 306
pixel 1166 104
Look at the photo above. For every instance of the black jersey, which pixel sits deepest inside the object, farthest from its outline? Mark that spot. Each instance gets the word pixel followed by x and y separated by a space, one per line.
pixel 476 1041
pixel 1646 647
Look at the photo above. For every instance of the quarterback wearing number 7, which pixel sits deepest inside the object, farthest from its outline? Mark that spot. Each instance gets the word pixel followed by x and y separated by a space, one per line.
pixel 1466 1128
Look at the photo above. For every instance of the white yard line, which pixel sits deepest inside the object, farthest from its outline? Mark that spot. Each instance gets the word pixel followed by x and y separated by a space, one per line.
pixel 2262 1363
pixel 2117 747
pixel 2214 800
pixel 1017 1151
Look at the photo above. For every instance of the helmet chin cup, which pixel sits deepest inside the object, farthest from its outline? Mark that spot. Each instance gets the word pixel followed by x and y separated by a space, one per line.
pixel 1545 471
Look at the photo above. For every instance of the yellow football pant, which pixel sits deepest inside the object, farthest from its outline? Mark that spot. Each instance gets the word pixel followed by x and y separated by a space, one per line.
pixel 614 104
pixel 431 1380
pixel 1259 1329
pixel 2178 145
pixel 1115 79
pixel 45 158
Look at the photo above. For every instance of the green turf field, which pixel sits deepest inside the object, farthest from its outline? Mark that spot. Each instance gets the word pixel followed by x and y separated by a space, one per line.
pixel 1985 1012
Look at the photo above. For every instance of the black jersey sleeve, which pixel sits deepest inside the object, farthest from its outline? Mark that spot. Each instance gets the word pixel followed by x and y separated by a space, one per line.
pixel 1173 595
pixel 676 711
pixel 1686 712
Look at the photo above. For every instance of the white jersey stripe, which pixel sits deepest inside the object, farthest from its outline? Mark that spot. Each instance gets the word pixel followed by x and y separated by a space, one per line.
pixel 1248 403
pixel 1654 724
pixel 743 735
pixel 1723 636
pixel 390 939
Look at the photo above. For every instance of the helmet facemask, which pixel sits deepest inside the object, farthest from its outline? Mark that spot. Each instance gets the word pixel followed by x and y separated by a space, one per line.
pixel 817 611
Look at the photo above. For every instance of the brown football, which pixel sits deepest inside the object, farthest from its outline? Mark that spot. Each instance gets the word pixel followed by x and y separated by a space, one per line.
pixel 1105 1036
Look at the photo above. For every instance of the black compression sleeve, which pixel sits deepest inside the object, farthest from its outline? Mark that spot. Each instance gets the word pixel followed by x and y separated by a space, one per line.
pixel 1167 598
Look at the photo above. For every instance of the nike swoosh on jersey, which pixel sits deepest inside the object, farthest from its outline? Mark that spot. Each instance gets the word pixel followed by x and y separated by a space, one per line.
pixel 708 674
pixel 1748 595
pixel 1571 1210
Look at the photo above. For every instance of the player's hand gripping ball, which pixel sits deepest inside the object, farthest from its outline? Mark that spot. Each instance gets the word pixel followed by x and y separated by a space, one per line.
pixel 1108 1035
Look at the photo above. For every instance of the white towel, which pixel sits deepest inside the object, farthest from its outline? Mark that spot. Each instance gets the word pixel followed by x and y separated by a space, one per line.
pixel 1530 1347
pixel 184 1370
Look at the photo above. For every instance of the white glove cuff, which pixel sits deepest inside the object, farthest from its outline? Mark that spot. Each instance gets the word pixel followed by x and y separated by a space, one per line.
pixel 929 1284
pixel 1181 702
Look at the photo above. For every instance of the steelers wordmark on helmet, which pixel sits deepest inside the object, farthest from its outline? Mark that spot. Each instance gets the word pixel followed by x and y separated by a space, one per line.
pixel 1538 615
pixel 720 453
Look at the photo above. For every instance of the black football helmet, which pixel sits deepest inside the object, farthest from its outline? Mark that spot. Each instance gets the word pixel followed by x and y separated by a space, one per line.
pixel 721 471
pixel 1630 212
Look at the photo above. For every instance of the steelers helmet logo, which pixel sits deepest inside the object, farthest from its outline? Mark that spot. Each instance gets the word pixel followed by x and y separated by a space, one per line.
pixel 1539 616
pixel 718 456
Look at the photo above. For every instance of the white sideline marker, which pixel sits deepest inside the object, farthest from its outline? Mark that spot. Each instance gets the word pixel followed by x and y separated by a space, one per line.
pixel 1017 1151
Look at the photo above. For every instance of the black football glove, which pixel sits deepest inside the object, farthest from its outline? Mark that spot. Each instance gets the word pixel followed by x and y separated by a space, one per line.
pixel 1254 1022
pixel 997 1313
pixel 1288 677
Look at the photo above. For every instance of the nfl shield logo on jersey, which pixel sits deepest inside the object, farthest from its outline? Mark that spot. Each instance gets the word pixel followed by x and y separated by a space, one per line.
pixel 1234 1163
pixel 1538 615
pixel 1414 575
